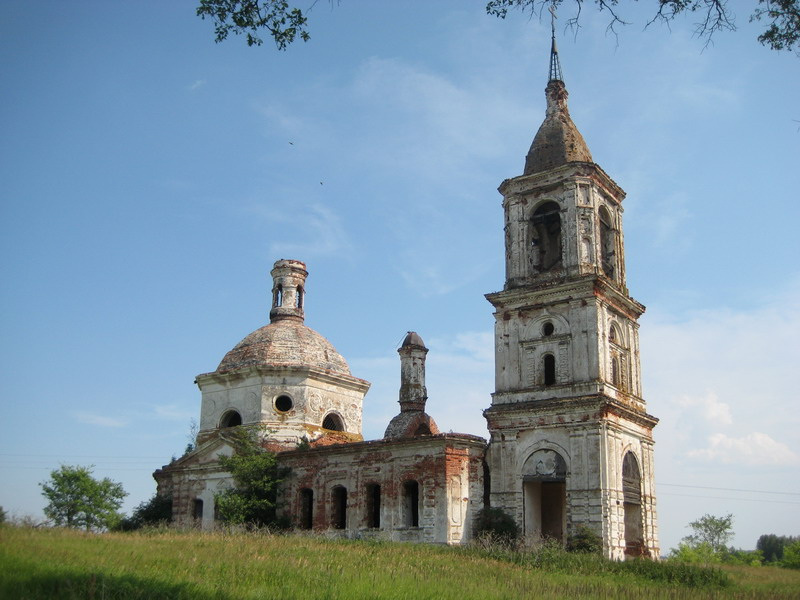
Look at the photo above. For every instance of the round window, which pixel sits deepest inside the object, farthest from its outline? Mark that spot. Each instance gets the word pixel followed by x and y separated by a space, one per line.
pixel 283 403
pixel 548 328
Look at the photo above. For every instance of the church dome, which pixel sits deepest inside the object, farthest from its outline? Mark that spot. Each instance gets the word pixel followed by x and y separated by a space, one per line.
pixel 284 343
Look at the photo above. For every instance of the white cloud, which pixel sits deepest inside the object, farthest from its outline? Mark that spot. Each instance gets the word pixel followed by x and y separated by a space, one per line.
pixel 753 449
pixel 100 420
pixel 709 407
pixel 197 84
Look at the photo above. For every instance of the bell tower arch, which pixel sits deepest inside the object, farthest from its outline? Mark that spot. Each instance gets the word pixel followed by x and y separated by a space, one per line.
pixel 567 372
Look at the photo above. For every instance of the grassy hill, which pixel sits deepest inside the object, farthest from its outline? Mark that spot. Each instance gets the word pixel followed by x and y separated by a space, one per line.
pixel 57 563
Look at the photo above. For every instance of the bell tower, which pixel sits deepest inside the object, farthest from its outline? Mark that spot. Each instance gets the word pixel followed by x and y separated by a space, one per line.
pixel 570 440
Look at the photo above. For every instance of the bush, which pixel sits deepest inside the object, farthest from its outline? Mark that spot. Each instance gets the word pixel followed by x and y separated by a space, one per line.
pixel 256 474
pixel 584 539
pixel 750 558
pixel 698 554
pixel 151 513
pixel 496 524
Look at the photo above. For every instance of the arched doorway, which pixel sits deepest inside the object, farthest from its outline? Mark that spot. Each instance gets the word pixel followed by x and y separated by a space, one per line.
pixel 544 488
pixel 632 503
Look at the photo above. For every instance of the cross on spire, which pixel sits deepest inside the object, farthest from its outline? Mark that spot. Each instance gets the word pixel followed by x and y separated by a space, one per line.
pixel 555 65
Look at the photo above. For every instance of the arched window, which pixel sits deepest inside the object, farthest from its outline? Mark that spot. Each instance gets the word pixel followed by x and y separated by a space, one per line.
pixel 549 365
pixel 278 300
pixel 411 504
pixel 231 418
pixel 373 507
pixel 618 354
pixel 607 243
pixel 339 508
pixel 298 299
pixel 546 238
pixel 333 422
pixel 423 429
pixel 306 508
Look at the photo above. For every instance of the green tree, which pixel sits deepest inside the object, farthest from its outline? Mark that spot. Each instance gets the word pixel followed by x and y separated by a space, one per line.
pixel 153 512
pixel 76 499
pixel 772 545
pixel 285 23
pixel 711 530
pixel 2 515
pixel 252 499
pixel 791 556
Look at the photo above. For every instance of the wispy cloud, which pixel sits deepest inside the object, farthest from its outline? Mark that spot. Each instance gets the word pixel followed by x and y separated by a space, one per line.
pixel 100 420
pixel 309 230
pixel 173 412
pixel 753 449
pixel 197 85
pixel 318 231
pixel 742 360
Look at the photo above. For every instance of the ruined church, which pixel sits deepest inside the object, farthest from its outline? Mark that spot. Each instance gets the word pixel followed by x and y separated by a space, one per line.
pixel 570 440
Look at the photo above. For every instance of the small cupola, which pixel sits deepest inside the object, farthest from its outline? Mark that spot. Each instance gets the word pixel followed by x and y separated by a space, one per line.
pixel 288 290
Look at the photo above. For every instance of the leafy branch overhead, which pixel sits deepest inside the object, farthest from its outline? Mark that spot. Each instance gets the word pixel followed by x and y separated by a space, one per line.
pixel 285 23
pixel 712 16
pixel 250 17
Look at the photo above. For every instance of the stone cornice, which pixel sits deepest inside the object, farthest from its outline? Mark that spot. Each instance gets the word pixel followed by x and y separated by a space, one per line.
pixel 566 290
pixel 234 376
pixel 527 184
pixel 602 406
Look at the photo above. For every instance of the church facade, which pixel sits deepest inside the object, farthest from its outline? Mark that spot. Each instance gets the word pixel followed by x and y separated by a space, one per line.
pixel 570 440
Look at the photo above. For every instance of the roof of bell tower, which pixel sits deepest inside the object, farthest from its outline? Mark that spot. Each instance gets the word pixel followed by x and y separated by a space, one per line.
pixel 558 141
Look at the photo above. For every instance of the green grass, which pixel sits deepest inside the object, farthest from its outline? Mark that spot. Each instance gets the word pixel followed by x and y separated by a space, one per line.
pixel 57 563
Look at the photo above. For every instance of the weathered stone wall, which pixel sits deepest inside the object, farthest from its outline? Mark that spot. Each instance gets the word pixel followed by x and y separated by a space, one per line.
pixel 253 393
pixel 568 404
pixel 448 469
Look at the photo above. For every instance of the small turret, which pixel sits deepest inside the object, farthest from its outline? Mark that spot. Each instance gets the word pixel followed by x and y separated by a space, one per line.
pixel 412 420
pixel 288 290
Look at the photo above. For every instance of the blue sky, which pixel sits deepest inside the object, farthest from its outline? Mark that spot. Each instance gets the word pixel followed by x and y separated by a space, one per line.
pixel 149 178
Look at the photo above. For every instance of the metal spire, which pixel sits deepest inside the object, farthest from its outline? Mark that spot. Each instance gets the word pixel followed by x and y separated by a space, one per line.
pixel 555 65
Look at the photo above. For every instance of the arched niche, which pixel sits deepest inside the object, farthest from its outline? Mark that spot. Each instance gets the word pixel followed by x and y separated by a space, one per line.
pixel 544 489
pixel 632 504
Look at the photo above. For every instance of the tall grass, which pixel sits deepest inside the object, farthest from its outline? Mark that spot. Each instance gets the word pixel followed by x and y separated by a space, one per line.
pixel 54 563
